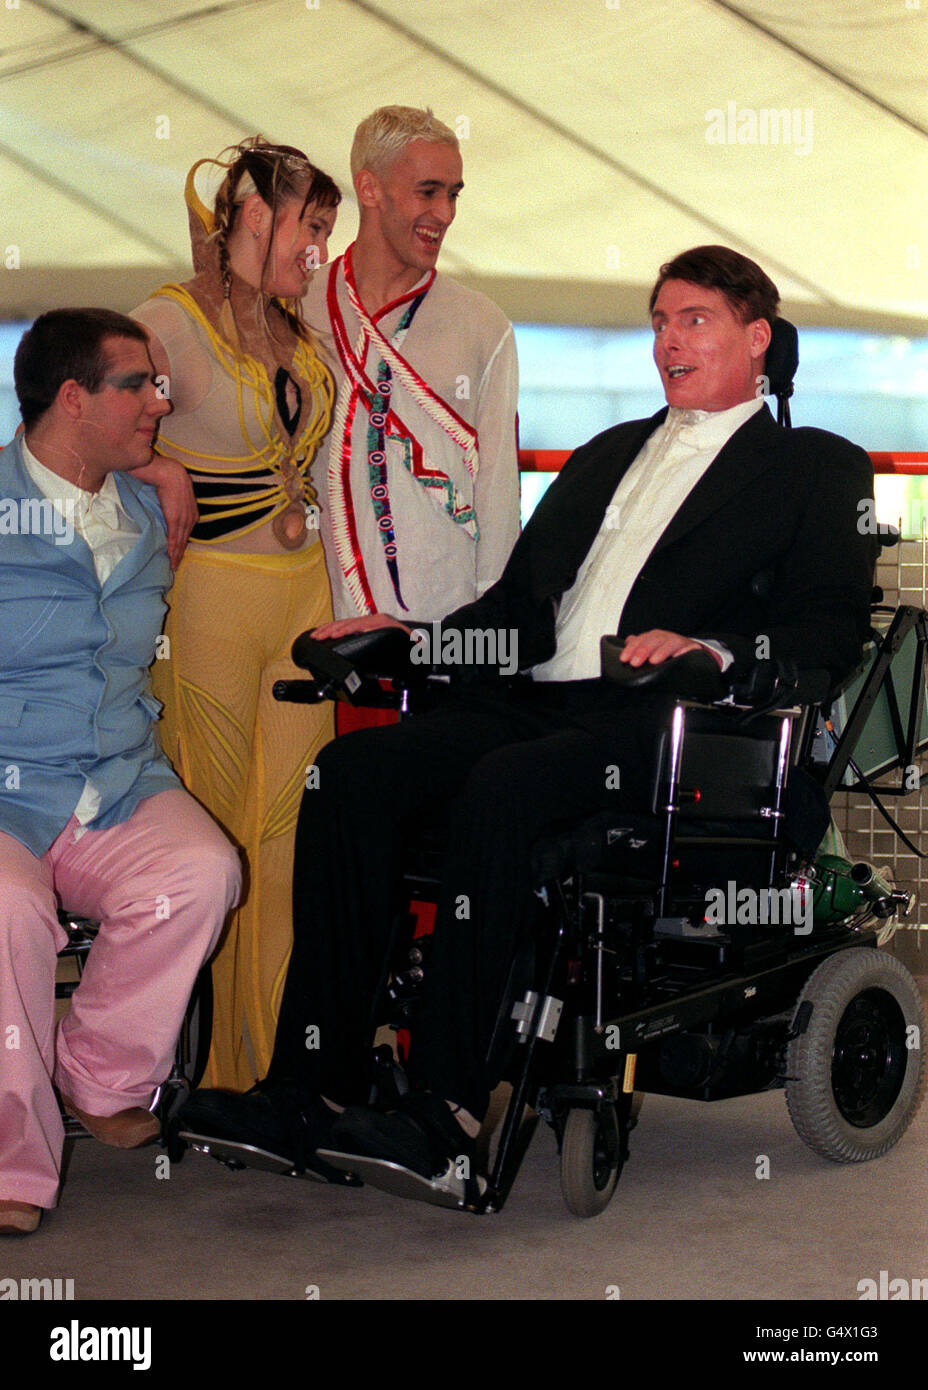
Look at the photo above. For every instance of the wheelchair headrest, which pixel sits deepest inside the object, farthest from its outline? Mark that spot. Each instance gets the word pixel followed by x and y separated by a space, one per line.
pixel 781 365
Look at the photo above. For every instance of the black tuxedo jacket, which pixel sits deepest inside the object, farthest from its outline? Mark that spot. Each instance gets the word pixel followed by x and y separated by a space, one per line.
pixel 776 504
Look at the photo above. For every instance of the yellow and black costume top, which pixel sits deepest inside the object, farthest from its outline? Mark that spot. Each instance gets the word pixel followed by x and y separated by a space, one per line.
pixel 252 399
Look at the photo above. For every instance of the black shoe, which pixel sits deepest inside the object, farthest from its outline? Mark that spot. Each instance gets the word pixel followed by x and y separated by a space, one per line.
pixel 419 1140
pixel 277 1127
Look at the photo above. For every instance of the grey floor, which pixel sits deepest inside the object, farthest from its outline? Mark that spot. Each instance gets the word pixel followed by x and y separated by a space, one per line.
pixel 689 1220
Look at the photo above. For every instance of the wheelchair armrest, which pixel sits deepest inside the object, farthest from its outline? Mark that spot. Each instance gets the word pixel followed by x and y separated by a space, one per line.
pixel 381 652
pixel 692 676
pixel 766 685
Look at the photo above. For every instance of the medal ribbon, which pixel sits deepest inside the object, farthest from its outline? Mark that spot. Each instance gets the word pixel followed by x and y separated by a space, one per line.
pixel 377 457
pixel 359 387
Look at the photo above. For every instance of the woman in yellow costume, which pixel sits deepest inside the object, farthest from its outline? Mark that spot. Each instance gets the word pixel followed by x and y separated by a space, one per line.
pixel 252 401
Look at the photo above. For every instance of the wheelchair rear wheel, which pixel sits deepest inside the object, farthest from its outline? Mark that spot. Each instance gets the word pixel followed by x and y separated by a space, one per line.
pixel 592 1155
pixel 856 1075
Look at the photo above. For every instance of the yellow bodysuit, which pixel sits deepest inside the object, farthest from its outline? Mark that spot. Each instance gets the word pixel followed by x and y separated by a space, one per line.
pixel 247 421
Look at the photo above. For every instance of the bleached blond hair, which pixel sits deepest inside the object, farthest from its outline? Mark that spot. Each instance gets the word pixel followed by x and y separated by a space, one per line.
pixel 384 134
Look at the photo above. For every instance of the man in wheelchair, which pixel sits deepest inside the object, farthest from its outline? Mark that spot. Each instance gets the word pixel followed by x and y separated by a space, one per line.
pixel 655 530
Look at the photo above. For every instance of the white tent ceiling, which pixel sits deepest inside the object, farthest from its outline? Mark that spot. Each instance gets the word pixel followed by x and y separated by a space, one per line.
pixel 602 136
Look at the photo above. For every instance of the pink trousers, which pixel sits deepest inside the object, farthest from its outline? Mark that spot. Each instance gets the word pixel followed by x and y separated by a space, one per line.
pixel 160 885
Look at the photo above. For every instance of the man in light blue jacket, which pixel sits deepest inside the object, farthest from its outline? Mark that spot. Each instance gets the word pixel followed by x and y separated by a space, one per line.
pixel 91 814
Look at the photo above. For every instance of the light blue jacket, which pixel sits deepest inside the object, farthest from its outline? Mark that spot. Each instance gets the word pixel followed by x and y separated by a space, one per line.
pixel 74 689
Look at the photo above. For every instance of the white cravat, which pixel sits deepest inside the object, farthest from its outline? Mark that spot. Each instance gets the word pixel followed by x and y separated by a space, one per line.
pixel 99 519
pixel 648 496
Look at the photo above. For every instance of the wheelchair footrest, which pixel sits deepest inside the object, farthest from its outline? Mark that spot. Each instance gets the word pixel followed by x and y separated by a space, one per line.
pixel 448 1190
pixel 235 1154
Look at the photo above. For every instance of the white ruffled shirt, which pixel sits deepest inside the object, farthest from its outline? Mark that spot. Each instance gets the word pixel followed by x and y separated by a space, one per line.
pixel 648 496
pixel 462 345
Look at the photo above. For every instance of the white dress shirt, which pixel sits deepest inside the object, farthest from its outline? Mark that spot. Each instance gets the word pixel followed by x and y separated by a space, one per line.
pixel 99 519
pixel 648 496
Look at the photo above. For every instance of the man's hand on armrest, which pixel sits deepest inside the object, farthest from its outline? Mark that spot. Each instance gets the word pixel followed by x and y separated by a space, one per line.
pixel 657 646
pixel 344 627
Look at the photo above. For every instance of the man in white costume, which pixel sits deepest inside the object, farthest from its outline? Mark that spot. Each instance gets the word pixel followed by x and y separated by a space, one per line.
pixel 419 487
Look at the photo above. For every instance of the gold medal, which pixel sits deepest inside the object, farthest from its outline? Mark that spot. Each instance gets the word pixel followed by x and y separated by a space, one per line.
pixel 289 526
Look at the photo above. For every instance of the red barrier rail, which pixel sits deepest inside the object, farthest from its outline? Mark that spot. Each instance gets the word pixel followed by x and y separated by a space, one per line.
pixel 899 463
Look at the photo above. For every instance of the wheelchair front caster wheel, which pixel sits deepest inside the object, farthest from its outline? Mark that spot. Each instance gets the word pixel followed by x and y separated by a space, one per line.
pixel 389 1082
pixel 592 1154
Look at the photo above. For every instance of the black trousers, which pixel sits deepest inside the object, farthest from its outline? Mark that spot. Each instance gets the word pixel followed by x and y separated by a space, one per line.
pixel 504 764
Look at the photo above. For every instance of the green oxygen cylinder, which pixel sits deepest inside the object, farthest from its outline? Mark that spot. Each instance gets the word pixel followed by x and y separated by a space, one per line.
pixel 841 888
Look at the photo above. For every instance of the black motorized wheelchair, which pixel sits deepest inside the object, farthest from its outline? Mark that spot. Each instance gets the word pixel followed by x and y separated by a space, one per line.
pixel 691 948
pixel 688 949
